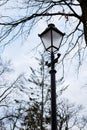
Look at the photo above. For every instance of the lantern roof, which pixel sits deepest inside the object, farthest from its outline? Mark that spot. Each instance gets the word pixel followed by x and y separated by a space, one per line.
pixel 51 27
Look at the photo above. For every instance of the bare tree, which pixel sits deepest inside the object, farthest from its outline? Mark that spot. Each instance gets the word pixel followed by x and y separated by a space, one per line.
pixel 8 91
pixel 34 112
pixel 69 116
pixel 4 90
pixel 17 17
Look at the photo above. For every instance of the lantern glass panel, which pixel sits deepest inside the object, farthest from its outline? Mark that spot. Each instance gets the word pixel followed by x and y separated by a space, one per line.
pixel 46 40
pixel 57 39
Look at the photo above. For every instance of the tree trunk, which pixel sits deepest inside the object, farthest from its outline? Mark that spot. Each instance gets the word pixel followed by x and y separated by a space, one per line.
pixel 83 4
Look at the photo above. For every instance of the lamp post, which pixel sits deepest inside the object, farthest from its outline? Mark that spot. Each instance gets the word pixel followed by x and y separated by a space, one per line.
pixel 51 38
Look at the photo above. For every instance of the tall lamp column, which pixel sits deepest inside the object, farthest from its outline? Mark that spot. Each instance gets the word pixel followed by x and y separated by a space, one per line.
pixel 51 38
pixel 53 94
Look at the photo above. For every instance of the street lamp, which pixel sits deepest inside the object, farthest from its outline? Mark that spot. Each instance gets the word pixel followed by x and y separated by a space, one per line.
pixel 51 38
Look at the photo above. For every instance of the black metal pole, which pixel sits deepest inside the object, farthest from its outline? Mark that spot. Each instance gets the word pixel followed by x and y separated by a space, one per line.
pixel 53 94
